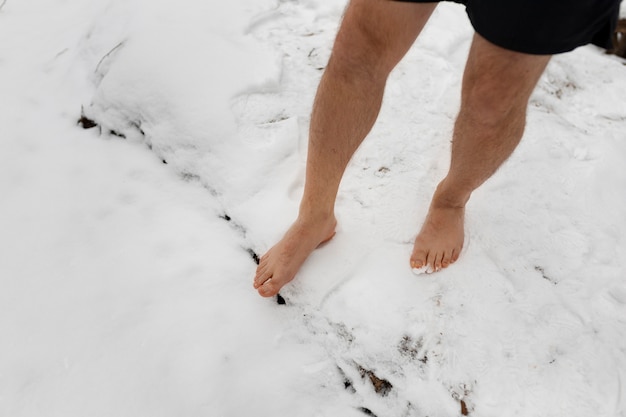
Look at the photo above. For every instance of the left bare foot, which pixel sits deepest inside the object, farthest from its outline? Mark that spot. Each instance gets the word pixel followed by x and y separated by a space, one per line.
pixel 440 240
pixel 281 263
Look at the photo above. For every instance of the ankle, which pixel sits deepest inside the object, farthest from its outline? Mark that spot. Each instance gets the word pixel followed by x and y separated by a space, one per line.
pixel 315 215
pixel 449 195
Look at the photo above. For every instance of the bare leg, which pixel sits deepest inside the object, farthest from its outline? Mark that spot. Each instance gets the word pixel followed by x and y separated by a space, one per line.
pixel 373 37
pixel 497 84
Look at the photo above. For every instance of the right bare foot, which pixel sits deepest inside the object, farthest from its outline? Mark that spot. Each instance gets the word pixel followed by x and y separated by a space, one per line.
pixel 281 263
pixel 440 241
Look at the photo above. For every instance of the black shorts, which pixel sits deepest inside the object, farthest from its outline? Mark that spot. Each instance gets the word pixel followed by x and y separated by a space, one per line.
pixel 543 27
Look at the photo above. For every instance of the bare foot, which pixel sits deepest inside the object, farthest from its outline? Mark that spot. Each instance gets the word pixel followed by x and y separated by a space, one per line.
pixel 281 263
pixel 440 241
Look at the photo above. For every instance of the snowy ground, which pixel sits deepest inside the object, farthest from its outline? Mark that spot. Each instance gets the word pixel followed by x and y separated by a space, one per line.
pixel 126 250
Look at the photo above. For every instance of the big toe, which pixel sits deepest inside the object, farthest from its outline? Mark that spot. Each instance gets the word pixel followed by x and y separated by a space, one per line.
pixel 268 289
pixel 418 259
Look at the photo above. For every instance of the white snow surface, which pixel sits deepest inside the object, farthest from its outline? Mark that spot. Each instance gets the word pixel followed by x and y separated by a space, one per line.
pixel 126 250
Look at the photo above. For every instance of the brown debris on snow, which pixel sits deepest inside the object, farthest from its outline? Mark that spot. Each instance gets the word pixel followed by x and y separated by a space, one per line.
pixel 381 386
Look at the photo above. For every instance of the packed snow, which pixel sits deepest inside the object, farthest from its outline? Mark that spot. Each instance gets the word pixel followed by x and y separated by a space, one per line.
pixel 127 250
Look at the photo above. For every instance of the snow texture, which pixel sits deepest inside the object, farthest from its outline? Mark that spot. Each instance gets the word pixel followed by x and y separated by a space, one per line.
pixel 128 249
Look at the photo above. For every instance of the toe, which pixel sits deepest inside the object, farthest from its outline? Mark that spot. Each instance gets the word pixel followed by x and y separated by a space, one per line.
pixel 268 289
pixel 438 261
pixel 262 278
pixel 454 256
pixel 260 270
pixel 418 259
pixel 447 259
pixel 430 262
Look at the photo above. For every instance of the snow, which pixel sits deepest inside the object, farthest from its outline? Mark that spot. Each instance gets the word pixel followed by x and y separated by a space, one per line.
pixel 127 249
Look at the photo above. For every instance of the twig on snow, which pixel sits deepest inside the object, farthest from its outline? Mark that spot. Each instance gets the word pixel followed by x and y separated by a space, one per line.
pixel 106 55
